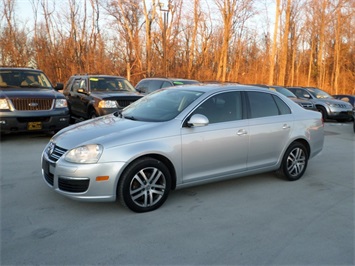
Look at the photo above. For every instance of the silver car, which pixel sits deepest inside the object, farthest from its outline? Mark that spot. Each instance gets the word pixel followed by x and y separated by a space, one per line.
pixel 179 137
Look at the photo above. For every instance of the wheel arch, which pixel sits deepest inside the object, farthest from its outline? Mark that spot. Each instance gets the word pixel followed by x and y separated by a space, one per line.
pixel 89 109
pixel 161 158
pixel 305 144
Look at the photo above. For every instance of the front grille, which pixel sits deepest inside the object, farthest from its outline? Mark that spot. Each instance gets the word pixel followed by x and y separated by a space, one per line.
pixel 54 153
pixel 307 105
pixel 124 103
pixel 32 104
pixel 342 105
pixel 75 186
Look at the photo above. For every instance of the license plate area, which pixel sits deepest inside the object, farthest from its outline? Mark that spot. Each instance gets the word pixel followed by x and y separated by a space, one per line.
pixel 34 125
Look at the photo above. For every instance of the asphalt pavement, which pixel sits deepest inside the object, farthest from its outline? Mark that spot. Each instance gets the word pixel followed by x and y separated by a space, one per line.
pixel 254 220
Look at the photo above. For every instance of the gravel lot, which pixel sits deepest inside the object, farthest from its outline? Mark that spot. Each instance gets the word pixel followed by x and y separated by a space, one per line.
pixel 255 220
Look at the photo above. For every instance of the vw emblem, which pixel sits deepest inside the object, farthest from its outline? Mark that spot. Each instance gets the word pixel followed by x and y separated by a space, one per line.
pixel 51 148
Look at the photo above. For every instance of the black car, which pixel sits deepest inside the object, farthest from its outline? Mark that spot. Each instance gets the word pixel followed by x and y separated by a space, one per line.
pixel 148 85
pixel 90 96
pixel 29 102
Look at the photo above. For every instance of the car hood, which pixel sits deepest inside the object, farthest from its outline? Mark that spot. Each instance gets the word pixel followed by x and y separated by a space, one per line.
pixel 332 100
pixel 109 131
pixel 30 93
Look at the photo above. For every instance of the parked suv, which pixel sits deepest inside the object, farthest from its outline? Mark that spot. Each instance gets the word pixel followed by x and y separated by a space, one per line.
pixel 306 104
pixel 29 102
pixel 329 106
pixel 148 85
pixel 96 95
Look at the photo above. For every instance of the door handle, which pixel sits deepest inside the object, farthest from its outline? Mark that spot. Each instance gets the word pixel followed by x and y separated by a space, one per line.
pixel 285 126
pixel 241 132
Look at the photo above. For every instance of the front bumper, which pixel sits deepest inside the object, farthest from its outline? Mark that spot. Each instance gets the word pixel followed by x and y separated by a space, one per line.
pixel 337 113
pixel 82 181
pixel 36 121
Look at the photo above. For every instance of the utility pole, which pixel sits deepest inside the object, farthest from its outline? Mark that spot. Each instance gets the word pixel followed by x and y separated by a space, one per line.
pixel 165 26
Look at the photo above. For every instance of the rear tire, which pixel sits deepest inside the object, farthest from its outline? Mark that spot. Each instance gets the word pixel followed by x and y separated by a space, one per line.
pixel 145 185
pixel 294 162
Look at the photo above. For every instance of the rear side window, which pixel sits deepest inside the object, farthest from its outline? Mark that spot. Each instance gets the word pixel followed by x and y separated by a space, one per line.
pixel 154 85
pixel 265 104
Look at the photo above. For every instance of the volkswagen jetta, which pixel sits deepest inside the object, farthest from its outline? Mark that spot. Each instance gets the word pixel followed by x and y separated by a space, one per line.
pixel 179 137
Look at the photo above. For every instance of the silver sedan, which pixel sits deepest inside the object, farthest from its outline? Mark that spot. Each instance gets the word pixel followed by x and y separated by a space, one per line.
pixel 179 137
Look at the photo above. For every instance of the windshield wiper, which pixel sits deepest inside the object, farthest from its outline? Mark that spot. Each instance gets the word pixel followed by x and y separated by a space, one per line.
pixel 31 86
pixel 118 114
pixel 130 118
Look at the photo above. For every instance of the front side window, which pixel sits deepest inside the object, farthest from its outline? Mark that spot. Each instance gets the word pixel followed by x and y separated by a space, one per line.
pixel 265 104
pixel 76 85
pixel 222 107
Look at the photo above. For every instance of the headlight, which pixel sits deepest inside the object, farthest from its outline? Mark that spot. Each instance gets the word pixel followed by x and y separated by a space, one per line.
pixel 108 104
pixel 84 154
pixel 61 103
pixel 4 104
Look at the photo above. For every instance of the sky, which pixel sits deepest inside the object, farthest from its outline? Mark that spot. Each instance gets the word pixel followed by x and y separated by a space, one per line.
pixel 263 22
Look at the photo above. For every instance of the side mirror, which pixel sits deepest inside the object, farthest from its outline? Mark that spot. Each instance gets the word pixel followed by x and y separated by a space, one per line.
pixel 142 90
pixel 198 120
pixel 81 90
pixel 305 95
pixel 59 86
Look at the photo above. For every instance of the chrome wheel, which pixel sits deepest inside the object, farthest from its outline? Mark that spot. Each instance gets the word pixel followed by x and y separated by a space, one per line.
pixel 296 162
pixel 147 187
pixel 144 185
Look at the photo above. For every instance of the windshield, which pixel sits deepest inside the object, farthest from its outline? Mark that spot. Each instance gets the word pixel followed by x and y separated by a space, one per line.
pixel 283 91
pixel 161 106
pixel 22 78
pixel 319 94
pixel 110 84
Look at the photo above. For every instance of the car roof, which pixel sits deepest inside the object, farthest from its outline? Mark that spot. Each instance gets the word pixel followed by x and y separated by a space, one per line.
pixel 170 79
pixel 98 76
pixel 20 68
pixel 215 87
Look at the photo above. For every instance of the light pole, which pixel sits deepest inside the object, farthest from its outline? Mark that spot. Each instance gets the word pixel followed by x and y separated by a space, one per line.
pixel 165 25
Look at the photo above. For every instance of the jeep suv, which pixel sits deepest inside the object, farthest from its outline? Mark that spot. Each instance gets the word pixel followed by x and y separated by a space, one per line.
pixel 330 107
pixel 90 96
pixel 148 85
pixel 28 102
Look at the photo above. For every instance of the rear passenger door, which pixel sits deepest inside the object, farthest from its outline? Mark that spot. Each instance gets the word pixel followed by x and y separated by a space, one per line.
pixel 270 126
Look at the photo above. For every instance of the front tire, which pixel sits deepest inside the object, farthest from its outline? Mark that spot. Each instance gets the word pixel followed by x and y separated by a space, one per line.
pixel 294 162
pixel 144 185
pixel 323 111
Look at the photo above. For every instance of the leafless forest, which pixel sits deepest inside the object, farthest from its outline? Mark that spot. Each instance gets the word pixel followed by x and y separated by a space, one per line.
pixel 296 42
